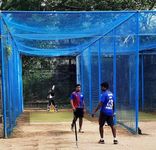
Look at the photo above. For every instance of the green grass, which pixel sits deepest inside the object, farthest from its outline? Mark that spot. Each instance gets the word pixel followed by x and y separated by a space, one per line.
pixel 147 116
pixel 143 116
pixel 67 116
pixel 51 116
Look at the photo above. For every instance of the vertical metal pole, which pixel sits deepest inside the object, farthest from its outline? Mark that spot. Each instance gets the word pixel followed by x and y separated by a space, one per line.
pixel 90 79
pixel 114 72
pixel 137 71
pixel 3 82
pixel 99 67
pixel 20 82
pixel 142 79
pixel 82 70
pixel 13 84
pixel 16 72
pixel 77 69
pixel 130 78
pixel 10 100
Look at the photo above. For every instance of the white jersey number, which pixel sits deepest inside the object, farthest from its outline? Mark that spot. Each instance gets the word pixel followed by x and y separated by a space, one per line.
pixel 110 104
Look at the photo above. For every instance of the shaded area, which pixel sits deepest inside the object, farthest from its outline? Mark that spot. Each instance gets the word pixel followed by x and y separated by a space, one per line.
pixel 148 81
pixel 40 73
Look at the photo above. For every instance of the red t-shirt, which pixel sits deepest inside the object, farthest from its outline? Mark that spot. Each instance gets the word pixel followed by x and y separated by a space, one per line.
pixel 77 98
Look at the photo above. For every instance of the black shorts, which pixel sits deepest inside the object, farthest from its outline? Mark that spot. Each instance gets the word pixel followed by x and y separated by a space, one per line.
pixel 51 101
pixel 105 118
pixel 79 113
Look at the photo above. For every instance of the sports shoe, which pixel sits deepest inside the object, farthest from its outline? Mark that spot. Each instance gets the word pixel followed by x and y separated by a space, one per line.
pixel 101 141
pixel 115 141
pixel 80 131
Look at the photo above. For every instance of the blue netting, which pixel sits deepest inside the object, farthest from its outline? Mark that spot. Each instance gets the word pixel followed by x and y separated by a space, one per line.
pixel 59 31
pixel 114 58
pixel 86 76
pixel 78 69
pixel 147 26
pixel 11 81
pixel 106 44
pixel 147 82
pixel 147 30
pixel 127 73
pixel 94 74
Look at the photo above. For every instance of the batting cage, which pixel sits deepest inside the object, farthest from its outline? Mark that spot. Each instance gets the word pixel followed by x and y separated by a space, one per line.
pixel 106 46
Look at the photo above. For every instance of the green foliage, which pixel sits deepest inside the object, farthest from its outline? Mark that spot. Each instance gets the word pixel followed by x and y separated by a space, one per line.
pixel 40 73
pixel 9 50
pixel 21 5
pixel 78 5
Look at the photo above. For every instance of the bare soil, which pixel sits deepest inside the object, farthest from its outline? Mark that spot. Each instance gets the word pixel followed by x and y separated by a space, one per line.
pixel 58 136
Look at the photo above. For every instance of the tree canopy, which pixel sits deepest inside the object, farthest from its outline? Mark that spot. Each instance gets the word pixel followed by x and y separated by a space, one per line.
pixel 78 5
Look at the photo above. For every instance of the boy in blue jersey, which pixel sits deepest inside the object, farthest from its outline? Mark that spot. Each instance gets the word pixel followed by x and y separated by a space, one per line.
pixel 77 103
pixel 106 106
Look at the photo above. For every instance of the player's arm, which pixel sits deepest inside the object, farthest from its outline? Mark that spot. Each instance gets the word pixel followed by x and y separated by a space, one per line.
pixel 113 107
pixel 98 107
pixel 71 101
pixel 84 107
pixel 84 103
pixel 114 113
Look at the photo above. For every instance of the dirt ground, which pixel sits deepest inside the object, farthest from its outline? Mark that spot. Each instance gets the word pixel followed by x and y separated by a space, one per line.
pixel 58 136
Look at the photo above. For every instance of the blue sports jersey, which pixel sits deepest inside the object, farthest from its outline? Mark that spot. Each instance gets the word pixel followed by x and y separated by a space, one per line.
pixel 107 99
pixel 77 98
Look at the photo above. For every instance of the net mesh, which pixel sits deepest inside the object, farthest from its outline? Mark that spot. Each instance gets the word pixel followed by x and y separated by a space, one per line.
pixel 106 46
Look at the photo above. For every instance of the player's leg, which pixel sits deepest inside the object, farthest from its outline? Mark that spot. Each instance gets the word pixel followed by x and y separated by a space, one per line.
pixel 73 122
pixel 114 134
pixel 52 101
pixel 75 116
pixel 110 122
pixel 113 131
pixel 101 130
pixel 49 104
pixel 80 115
pixel 80 124
pixel 55 106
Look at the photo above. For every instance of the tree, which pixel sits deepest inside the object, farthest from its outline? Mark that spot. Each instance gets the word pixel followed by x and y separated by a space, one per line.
pixel 78 5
